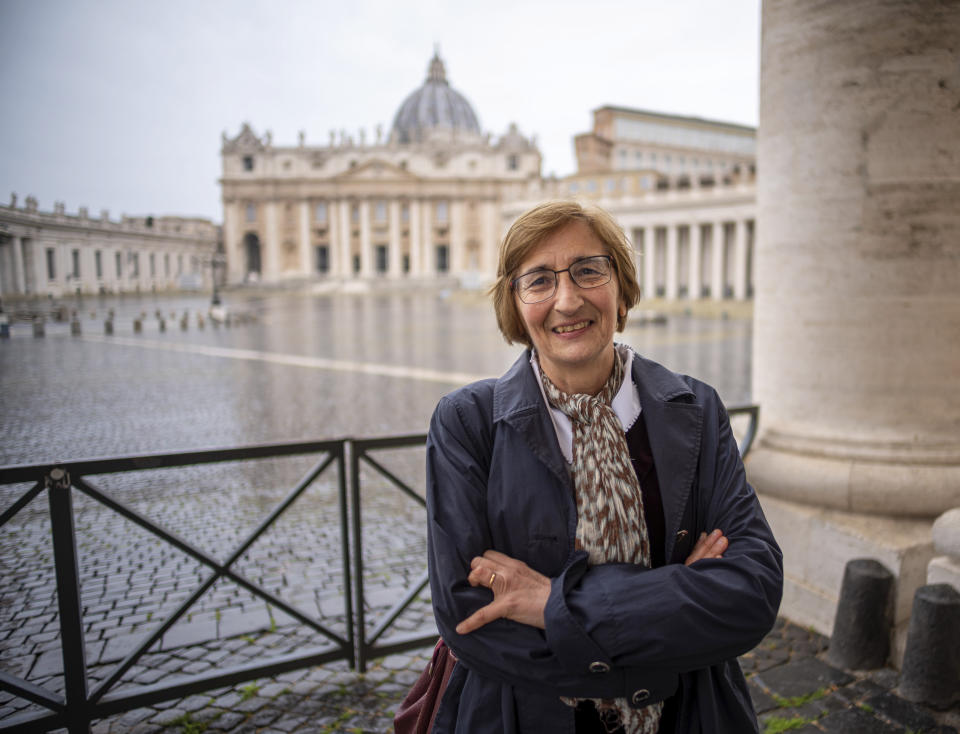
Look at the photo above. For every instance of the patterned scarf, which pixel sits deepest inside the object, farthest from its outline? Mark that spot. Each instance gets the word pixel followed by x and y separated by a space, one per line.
pixel 610 523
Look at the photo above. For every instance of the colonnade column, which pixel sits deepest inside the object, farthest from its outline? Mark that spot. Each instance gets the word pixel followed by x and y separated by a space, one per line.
pixel 343 215
pixel 19 276
pixel 740 260
pixel 649 263
pixel 857 317
pixel 693 278
pixel 307 260
pixel 717 247
pixel 672 258
pixel 366 252
pixel 269 248
pixel 427 262
pixel 416 268
pixel 394 259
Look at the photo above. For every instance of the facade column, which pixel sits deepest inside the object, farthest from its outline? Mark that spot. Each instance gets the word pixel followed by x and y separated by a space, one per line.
pixel 428 266
pixel 270 247
pixel 857 303
pixel 19 276
pixel 673 276
pixel 649 264
pixel 366 250
pixel 346 262
pixel 740 260
pixel 458 240
pixel 717 269
pixel 231 244
pixel 694 285
pixel 416 268
pixel 394 256
pixel 308 260
pixel 489 240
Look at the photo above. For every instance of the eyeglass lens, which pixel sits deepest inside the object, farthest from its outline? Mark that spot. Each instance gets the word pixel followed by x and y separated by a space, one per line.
pixel 591 272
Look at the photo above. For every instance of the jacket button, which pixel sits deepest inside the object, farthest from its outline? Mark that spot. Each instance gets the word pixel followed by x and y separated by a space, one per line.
pixel 640 696
pixel 599 667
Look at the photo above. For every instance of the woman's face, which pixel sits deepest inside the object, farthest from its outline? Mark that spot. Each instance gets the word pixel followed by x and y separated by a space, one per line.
pixel 573 330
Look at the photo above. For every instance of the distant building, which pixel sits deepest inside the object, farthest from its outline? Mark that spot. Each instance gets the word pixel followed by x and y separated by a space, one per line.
pixel 683 189
pixel 422 201
pixel 56 253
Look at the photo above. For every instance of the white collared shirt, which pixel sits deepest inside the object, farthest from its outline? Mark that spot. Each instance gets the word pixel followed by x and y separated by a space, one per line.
pixel 626 403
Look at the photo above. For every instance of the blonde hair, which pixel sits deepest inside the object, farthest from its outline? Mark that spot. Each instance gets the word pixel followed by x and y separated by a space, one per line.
pixel 532 228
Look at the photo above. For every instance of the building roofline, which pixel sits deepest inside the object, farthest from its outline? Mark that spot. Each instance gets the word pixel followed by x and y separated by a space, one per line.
pixel 732 126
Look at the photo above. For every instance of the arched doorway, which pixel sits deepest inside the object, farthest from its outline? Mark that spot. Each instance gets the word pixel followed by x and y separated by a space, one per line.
pixel 251 246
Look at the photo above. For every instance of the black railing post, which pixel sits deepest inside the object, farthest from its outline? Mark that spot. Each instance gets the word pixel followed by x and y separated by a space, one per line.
pixel 68 595
pixel 345 549
pixel 359 611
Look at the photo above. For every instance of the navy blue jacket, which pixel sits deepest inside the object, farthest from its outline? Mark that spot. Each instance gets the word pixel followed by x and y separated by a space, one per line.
pixel 496 479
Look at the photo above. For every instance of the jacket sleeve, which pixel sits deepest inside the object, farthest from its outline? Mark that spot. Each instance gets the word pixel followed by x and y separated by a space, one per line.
pixel 458 455
pixel 679 617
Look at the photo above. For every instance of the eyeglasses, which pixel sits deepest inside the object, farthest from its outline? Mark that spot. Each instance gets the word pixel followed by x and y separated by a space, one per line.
pixel 540 285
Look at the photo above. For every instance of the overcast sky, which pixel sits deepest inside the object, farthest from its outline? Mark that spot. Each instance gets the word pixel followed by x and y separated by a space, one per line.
pixel 120 104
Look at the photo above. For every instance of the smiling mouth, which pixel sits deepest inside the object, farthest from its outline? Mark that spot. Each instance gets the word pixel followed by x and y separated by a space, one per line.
pixel 566 329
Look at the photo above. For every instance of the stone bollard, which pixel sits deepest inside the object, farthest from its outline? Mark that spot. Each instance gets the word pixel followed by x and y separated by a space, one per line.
pixel 861 629
pixel 39 326
pixel 108 327
pixel 137 326
pixel 931 661
pixel 944 568
pixel 75 328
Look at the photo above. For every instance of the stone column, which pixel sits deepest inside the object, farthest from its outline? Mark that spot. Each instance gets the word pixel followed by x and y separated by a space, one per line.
pixel 857 312
pixel 673 276
pixel 740 259
pixel 19 276
pixel 394 255
pixel 308 262
pixel 366 249
pixel 427 258
pixel 270 246
pixel 716 261
pixel 649 261
pixel 693 280
pixel 346 261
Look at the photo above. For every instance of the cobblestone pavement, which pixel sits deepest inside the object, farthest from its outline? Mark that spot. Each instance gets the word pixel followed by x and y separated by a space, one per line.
pixel 793 689
pixel 288 376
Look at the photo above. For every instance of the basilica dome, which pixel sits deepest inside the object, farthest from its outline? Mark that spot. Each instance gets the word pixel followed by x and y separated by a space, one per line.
pixel 435 110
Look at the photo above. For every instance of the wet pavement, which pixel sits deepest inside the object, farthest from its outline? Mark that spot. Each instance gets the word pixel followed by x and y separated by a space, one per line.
pixel 302 366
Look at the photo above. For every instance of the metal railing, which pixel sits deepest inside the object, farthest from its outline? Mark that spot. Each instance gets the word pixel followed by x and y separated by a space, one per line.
pixel 79 705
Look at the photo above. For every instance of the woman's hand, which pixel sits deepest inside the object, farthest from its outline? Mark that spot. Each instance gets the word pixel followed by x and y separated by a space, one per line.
pixel 708 546
pixel 519 592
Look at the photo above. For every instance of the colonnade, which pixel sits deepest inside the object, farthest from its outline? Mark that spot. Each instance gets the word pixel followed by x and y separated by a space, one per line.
pixel 694 259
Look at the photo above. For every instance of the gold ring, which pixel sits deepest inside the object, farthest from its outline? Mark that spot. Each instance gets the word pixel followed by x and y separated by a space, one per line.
pixel 492 577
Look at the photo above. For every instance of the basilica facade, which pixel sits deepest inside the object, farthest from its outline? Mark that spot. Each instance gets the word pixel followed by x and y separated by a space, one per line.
pixel 431 198
pixel 420 201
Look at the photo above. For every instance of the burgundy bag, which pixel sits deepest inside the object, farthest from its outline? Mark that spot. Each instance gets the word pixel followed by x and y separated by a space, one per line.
pixel 419 708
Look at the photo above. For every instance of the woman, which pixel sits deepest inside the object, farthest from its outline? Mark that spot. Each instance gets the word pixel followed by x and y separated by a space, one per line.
pixel 565 502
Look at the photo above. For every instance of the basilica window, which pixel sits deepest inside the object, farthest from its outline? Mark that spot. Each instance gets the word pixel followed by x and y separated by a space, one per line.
pixel 405 212
pixel 248 163
pixel 75 255
pixel 251 212
pixel 443 264
pixel 380 211
pixel 354 212
pixel 98 264
pixel 320 212
pixel 153 265
pixel 51 264
pixel 513 162
pixel 118 262
pixel 442 212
